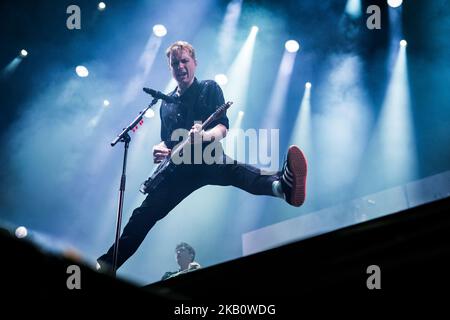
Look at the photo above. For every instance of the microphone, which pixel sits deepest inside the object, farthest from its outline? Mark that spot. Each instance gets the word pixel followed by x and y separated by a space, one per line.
pixel 160 95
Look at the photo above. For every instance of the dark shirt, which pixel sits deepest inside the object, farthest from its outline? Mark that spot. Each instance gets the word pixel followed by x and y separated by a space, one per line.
pixel 198 102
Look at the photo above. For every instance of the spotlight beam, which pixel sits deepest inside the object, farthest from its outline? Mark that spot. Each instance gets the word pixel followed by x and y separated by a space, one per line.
pixel 395 129
pixel 146 61
pixel 228 30
pixel 278 97
pixel 301 134
pixel 239 74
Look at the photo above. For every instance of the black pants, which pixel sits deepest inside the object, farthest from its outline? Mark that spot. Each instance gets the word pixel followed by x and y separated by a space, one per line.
pixel 184 180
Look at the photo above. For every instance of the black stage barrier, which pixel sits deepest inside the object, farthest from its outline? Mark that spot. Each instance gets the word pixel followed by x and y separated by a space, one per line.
pixel 411 249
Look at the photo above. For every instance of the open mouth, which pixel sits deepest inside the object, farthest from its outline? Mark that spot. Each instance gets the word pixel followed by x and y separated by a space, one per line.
pixel 182 74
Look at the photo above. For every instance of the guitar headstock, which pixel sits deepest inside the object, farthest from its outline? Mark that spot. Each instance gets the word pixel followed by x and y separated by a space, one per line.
pixel 225 106
pixel 228 104
pixel 218 112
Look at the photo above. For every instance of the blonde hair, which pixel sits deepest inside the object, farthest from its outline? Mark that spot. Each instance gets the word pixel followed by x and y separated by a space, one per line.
pixel 179 46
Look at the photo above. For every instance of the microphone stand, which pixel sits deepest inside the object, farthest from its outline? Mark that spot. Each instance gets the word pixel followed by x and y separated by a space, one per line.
pixel 124 137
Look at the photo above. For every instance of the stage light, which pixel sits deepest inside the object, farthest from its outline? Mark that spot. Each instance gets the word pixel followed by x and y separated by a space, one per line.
pixel 227 33
pixel 238 74
pixel 221 79
pixel 106 103
pixel 159 30
pixel 403 43
pixel 82 71
pixel 241 113
pixel 395 3
pixel 13 64
pixel 395 132
pixel 353 8
pixel 101 6
pixel 255 29
pixel 21 232
pixel 149 114
pixel 277 101
pixel 145 63
pixel 301 134
pixel 292 46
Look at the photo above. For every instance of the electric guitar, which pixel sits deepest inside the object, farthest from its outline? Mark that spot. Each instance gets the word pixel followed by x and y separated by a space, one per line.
pixel 167 166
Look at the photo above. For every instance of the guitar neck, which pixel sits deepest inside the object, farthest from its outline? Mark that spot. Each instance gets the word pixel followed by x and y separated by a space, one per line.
pixel 207 122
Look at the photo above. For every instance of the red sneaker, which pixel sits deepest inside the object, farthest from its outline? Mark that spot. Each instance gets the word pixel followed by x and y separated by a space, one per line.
pixel 293 177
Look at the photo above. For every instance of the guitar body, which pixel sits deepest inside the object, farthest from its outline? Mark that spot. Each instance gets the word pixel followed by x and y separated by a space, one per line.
pixel 162 171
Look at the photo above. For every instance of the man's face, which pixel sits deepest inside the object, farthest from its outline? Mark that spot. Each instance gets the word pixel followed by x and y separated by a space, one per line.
pixel 183 67
pixel 183 256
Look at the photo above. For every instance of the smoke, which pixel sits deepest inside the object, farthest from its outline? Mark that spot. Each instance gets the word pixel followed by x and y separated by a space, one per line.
pixel 341 128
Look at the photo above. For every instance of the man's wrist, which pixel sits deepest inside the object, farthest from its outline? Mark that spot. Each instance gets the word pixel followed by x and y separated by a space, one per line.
pixel 208 136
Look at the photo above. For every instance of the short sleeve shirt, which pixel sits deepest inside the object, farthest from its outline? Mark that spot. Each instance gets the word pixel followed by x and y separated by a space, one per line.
pixel 199 101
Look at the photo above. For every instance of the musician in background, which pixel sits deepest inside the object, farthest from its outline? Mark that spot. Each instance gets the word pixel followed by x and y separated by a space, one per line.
pixel 197 101
pixel 185 255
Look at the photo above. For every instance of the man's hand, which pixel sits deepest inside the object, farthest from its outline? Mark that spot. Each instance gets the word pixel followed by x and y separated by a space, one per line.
pixel 160 152
pixel 194 266
pixel 196 134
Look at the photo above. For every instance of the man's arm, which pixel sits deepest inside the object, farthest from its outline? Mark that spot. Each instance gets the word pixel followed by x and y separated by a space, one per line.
pixel 216 133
